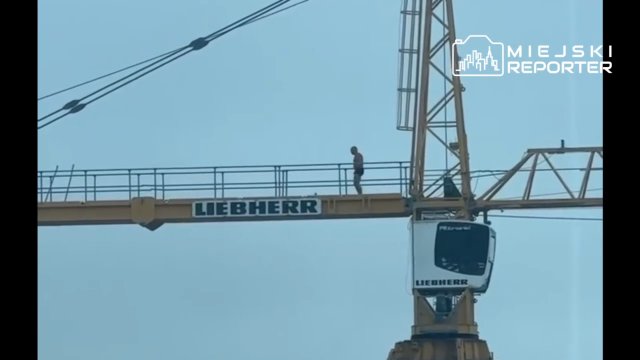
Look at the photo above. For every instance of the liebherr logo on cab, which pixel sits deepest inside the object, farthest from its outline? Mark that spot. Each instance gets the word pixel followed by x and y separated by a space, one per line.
pixel 442 282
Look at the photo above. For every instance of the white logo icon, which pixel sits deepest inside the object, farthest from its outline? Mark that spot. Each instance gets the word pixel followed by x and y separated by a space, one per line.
pixel 477 55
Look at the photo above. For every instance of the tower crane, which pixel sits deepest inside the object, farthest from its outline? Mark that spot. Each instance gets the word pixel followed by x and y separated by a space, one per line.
pixel 453 253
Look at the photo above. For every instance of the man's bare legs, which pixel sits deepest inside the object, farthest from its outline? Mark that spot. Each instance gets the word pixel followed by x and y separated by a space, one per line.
pixel 356 182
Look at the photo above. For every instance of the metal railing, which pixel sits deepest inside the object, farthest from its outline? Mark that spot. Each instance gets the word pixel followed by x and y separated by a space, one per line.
pixel 222 181
pixel 269 181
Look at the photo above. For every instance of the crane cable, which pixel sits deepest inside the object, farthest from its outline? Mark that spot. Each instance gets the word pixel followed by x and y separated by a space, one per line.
pixel 148 60
pixel 548 217
pixel 103 76
pixel 197 44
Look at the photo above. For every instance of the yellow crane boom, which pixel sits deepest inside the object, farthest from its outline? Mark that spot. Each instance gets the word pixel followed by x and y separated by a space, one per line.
pixel 81 198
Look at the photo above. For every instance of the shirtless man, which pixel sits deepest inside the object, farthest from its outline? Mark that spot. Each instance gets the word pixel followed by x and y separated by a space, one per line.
pixel 358 169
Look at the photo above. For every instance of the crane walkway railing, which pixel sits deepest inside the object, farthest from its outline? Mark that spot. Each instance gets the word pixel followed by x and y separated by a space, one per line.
pixel 222 181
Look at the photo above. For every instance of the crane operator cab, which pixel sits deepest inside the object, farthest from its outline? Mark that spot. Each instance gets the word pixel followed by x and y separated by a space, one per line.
pixel 450 256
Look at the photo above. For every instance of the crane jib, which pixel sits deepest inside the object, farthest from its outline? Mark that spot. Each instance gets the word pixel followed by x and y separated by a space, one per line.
pixel 273 207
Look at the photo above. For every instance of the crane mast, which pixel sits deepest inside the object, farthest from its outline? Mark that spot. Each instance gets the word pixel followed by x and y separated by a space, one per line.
pixel 446 330
pixel 422 108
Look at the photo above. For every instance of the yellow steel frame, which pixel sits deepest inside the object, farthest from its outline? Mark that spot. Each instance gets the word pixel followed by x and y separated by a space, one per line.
pixel 152 213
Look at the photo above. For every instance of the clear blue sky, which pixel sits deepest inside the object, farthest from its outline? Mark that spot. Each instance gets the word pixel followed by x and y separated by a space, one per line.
pixel 301 87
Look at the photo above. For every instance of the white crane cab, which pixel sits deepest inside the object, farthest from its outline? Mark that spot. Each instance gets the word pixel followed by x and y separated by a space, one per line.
pixel 450 256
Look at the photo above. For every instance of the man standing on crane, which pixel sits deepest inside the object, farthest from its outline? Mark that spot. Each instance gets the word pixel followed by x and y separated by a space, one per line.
pixel 358 168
